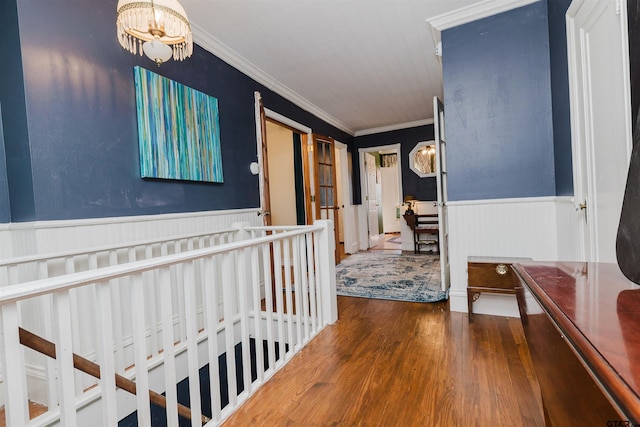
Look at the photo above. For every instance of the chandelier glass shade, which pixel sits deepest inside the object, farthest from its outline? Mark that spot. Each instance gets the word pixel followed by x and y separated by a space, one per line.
pixel 158 28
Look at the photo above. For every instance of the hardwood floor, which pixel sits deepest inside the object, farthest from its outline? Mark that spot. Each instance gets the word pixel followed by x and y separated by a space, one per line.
pixel 387 363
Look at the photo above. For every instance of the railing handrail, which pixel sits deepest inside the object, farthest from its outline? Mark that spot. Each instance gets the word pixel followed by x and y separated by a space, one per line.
pixel 34 288
pixel 56 255
pixel 273 227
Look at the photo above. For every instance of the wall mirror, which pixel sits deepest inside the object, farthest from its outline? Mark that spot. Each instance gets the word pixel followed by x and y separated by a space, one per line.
pixel 422 159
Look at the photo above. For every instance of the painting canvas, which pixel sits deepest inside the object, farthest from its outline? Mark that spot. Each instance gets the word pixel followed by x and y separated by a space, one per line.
pixel 178 130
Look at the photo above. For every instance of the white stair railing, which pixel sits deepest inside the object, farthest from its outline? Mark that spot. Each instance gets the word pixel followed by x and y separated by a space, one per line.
pixel 227 301
pixel 42 266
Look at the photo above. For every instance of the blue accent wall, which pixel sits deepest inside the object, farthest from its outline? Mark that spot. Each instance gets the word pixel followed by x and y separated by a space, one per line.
pixel 81 119
pixel 5 204
pixel 557 10
pixel 497 90
pixel 17 169
pixel 421 188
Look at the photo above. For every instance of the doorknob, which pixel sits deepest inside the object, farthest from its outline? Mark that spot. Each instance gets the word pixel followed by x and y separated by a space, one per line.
pixel 264 213
pixel 583 207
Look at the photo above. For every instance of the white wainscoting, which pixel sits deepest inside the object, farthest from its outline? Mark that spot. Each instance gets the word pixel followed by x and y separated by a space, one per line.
pixel 6 247
pixel 541 228
pixel 17 239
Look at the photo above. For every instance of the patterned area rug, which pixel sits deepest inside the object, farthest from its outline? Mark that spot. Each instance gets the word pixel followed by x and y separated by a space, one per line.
pixel 405 277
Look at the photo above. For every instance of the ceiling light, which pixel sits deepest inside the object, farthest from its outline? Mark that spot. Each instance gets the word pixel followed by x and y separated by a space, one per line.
pixel 159 28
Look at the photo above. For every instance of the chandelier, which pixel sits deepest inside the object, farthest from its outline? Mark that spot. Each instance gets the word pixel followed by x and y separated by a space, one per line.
pixel 158 28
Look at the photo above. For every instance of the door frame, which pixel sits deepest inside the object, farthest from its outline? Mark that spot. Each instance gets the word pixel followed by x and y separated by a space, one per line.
pixel 364 239
pixel 307 138
pixel 298 127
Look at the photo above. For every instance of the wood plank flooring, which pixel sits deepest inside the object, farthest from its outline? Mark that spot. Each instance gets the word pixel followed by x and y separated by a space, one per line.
pixel 387 363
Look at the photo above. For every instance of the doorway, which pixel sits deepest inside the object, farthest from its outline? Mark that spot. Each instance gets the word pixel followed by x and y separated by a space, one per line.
pixel 302 204
pixel 286 189
pixel 381 183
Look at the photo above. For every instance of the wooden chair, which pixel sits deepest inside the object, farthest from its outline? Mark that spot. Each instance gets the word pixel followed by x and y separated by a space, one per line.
pixel 425 231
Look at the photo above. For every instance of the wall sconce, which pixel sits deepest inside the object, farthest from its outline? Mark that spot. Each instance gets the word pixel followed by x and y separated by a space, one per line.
pixel 254 168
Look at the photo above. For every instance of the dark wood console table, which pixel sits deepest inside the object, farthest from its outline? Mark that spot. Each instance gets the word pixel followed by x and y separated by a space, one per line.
pixel 489 275
pixel 583 332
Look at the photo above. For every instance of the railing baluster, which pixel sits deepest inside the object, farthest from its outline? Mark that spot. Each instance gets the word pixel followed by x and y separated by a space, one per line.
pixel 64 358
pixel 189 287
pixel 168 350
pixel 15 380
pixel 70 267
pixel 114 286
pixel 305 284
pixel 277 264
pixel 254 282
pixel 288 285
pixel 243 294
pixel 140 347
pixel 311 244
pixel 297 290
pixel 228 293
pixel 150 278
pixel 177 248
pixel 105 355
pixel 268 298
pixel 212 322
pixel 46 302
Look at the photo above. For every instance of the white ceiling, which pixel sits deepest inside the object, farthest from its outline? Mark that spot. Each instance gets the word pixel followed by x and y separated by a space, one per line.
pixel 359 64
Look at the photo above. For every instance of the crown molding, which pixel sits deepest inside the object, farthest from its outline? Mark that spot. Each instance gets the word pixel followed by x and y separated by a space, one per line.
pixel 389 128
pixel 231 57
pixel 471 13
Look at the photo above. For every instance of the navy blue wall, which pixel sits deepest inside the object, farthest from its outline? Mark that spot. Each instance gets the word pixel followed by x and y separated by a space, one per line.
pixel 14 117
pixel 5 209
pixel 557 10
pixel 497 90
pixel 82 120
pixel 421 188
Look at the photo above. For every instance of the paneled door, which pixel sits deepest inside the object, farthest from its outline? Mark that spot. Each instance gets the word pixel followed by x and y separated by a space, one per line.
pixel 326 196
pixel 441 182
pixel 372 199
pixel 600 121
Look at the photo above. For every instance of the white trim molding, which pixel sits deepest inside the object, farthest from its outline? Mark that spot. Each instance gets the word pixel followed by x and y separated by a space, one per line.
pixel 390 128
pixel 540 228
pixel 468 14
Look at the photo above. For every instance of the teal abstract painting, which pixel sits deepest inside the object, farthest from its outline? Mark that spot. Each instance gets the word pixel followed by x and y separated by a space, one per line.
pixel 178 130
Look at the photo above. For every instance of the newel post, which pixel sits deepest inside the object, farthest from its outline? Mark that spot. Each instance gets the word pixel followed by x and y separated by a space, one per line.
pixel 327 268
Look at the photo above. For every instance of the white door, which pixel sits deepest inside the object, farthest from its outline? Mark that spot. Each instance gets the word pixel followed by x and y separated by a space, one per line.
pixel 441 182
pixel 372 199
pixel 346 213
pixel 390 199
pixel 600 121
